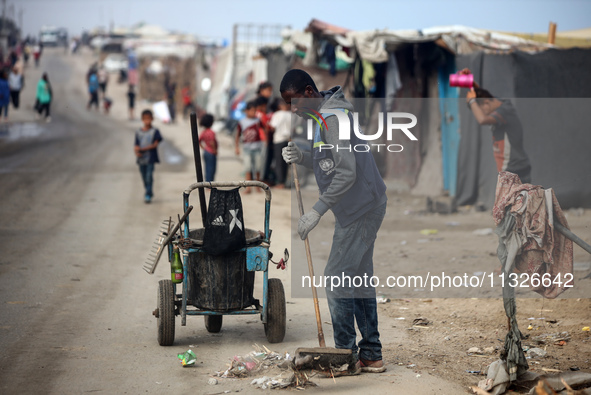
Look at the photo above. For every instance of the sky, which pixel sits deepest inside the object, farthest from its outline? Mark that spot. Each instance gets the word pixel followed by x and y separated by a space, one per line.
pixel 215 18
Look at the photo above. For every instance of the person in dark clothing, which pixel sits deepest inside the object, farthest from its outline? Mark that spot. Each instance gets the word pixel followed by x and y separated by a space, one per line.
pixel 131 101
pixel 507 131
pixel 93 91
pixel 4 95
pixel 351 187
pixel 145 147
pixel 170 88
pixel 13 58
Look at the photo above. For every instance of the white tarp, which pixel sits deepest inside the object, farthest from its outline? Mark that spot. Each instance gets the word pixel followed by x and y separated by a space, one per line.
pixel 373 45
pixel 163 49
pixel 250 72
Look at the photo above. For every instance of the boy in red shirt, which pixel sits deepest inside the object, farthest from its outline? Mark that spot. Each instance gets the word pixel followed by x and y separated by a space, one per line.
pixel 188 104
pixel 209 144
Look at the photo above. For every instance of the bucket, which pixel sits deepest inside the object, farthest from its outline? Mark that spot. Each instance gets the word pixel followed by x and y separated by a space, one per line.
pixel 220 283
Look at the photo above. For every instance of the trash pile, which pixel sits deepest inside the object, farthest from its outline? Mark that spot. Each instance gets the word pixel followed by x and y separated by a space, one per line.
pixel 277 370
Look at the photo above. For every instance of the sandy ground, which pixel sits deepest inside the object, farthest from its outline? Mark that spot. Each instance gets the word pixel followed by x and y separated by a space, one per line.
pixel 76 307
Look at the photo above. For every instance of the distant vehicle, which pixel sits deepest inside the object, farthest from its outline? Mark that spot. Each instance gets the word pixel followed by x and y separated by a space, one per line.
pixel 115 62
pixel 50 36
pixel 98 41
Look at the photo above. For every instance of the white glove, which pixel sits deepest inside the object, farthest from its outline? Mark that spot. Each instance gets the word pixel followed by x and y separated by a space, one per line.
pixel 308 222
pixel 292 153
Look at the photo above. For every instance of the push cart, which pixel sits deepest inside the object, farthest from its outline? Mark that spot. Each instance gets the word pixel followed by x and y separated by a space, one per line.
pixel 214 286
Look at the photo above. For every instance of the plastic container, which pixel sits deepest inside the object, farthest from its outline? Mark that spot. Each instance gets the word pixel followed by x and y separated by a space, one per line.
pixel 461 80
pixel 220 283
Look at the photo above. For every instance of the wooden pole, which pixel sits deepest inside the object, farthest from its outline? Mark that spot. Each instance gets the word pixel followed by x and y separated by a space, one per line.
pixel 198 168
pixel 321 341
pixel 552 33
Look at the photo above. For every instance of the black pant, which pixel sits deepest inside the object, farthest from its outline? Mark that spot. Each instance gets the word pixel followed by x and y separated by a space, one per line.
pixel 280 165
pixel 268 171
pixel 172 110
pixel 93 100
pixel 15 96
pixel 44 106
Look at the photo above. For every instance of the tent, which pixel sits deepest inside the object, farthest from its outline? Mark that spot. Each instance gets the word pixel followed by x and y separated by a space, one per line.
pixel 451 157
pixel 551 91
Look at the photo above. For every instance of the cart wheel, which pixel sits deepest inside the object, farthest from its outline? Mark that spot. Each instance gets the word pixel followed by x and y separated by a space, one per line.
pixel 165 316
pixel 213 323
pixel 275 326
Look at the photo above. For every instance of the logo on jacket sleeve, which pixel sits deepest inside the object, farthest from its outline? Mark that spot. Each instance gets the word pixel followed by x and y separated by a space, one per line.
pixel 326 165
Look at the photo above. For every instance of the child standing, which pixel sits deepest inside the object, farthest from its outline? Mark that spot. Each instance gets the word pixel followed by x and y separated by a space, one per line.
pixel 93 88
pixel 4 95
pixel 147 139
pixel 281 125
pixel 188 104
pixel 208 142
pixel 250 133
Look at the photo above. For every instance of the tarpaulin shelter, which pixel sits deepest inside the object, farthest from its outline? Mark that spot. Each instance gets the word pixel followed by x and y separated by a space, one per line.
pixel 416 64
pixel 161 55
pixel 551 91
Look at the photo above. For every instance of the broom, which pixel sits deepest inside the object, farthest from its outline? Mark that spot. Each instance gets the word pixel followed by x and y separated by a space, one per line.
pixel 320 358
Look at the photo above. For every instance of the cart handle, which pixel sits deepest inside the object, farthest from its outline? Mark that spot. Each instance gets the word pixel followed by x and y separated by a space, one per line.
pixel 229 184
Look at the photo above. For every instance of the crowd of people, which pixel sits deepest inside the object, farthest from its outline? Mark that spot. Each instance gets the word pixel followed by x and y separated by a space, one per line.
pixel 12 79
pixel 261 135
pixel 97 79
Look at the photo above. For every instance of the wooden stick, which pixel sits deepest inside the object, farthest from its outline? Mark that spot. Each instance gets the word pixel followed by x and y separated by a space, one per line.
pixel 573 237
pixel 309 256
pixel 552 33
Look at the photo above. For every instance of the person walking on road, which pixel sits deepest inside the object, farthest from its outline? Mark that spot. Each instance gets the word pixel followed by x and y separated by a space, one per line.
pixel 103 80
pixel 44 97
pixel 352 188
pixel 36 54
pixel 93 91
pixel 16 82
pixel 170 88
pixel 131 101
pixel 147 139
pixel 4 95
pixel 26 53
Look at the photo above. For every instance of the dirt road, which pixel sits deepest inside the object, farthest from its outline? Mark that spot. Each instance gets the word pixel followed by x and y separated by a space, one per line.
pixel 75 306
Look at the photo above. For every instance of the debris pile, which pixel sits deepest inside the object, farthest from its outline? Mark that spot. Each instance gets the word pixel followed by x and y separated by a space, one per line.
pixel 276 370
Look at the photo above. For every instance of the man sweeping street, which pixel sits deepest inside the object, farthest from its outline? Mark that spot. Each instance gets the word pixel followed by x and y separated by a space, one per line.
pixel 352 188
